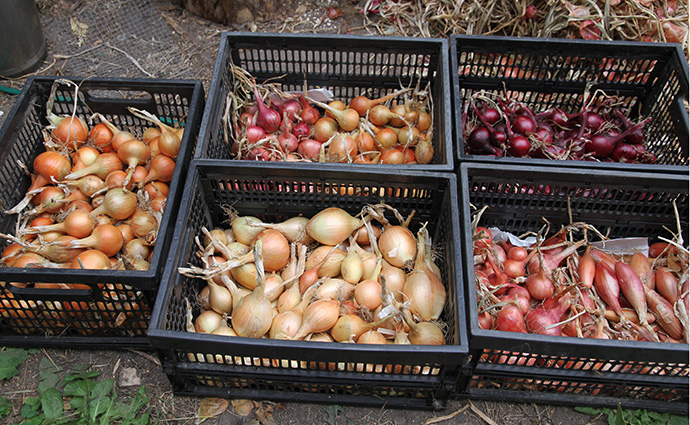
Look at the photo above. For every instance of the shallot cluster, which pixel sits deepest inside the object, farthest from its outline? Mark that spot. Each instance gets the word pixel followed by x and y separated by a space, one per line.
pixel 96 199
pixel 331 277
pixel 507 127
pixel 270 125
pixel 560 287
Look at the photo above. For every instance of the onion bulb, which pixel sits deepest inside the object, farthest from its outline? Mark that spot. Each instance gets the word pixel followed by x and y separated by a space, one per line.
pixel 319 316
pixel 397 245
pixel 332 226
pixel 118 204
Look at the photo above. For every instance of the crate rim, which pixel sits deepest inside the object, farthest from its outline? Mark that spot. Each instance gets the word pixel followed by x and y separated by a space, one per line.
pixel 525 342
pixel 160 337
pixel 213 100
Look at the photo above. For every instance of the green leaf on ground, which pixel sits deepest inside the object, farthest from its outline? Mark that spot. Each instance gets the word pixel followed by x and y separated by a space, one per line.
pixel 47 375
pixel 10 358
pixel 75 388
pixel 5 406
pixel 51 403
pixel 31 408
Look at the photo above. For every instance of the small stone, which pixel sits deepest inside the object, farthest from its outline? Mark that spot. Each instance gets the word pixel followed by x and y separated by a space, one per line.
pixel 129 377
pixel 244 15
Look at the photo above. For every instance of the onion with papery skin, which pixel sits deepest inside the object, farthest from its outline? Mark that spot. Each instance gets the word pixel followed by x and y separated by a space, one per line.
pixel 336 289
pixel 319 316
pixel 69 132
pixel 294 229
pixel 91 259
pixel 133 153
pixel 423 288
pixel 253 314
pixel 368 294
pixel 397 245
pixel 244 230
pixel 52 165
pixel 276 249
pixel 77 223
pixel 105 238
pixel 219 298
pixel 423 333
pixel 326 259
pixel 332 226
pixel 207 321
pixel 118 204
pixel 100 136
pixel 103 165
pixel 266 118
pixel 371 337
pixel 351 268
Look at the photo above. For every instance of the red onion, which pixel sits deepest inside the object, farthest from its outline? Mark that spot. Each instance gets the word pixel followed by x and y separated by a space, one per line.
pixel 540 320
pixel 524 125
pixel 266 118
pixel 510 319
pixel 255 133
pixel 519 146
pixel 301 130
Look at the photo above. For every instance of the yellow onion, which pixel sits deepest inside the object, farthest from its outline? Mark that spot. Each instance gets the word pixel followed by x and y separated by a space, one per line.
pixel 244 230
pixel 289 299
pixel 332 226
pixel 245 275
pixel 285 325
pixel 276 251
pixel 319 316
pixel 273 286
pixel 395 279
pixel 207 321
pixel 348 326
pixel 351 268
pixel 218 234
pixel 220 299
pixel 320 337
pixel 329 259
pixel 397 245
pixel 294 229
pixel 424 289
pixel 371 337
pixel 424 333
pixel 253 315
pixel 368 294
pixel 224 329
pixel 336 289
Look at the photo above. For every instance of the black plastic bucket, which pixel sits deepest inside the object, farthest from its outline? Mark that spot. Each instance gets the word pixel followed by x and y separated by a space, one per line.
pixel 22 45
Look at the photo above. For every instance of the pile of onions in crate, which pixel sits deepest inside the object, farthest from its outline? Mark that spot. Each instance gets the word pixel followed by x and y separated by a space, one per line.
pixel 600 131
pixel 331 277
pixel 271 125
pixel 568 285
pixel 97 196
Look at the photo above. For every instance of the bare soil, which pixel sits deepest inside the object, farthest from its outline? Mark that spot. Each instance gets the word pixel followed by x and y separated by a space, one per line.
pixel 197 39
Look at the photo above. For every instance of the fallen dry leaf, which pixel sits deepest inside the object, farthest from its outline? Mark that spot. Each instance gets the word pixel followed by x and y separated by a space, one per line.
pixel 211 407
pixel 243 407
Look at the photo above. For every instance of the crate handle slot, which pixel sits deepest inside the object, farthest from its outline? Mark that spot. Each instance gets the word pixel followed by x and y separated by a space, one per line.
pixel 97 99
pixel 52 294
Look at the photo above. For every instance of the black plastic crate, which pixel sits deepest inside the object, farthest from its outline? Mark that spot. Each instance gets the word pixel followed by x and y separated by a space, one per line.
pixel 393 375
pixel 651 79
pixel 505 383
pixel 347 65
pixel 622 203
pixel 115 310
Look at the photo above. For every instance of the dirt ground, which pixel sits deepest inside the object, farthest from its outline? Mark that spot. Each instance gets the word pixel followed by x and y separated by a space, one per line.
pixel 195 42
